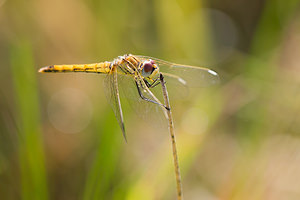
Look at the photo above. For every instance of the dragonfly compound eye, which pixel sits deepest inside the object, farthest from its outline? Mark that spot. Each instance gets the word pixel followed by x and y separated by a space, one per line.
pixel 148 67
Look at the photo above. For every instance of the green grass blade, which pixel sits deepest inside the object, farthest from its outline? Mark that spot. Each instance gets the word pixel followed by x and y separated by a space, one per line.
pixel 32 160
pixel 101 175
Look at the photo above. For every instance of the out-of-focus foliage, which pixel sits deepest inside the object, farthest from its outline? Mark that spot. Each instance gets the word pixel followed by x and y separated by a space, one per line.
pixel 238 140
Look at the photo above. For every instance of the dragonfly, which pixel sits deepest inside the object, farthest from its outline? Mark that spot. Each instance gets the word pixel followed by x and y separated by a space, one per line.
pixel 145 71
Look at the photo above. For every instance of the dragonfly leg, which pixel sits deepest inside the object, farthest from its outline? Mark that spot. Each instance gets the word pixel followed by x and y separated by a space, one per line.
pixel 146 99
pixel 147 83
pixel 155 83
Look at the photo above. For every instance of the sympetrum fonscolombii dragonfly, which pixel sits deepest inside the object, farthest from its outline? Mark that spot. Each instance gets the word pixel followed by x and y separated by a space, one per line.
pixel 147 73
pixel 144 71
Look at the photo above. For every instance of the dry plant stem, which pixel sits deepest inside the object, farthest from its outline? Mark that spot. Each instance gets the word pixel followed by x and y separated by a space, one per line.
pixel 172 133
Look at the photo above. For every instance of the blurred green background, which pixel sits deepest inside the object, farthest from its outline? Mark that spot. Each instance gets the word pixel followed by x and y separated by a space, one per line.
pixel 59 138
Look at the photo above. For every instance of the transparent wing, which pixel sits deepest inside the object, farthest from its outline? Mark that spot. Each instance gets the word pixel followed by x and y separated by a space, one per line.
pixel 147 115
pixel 112 94
pixel 177 87
pixel 144 109
pixel 185 74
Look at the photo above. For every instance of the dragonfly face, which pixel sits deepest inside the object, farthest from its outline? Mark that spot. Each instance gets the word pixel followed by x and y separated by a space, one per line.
pixel 149 69
pixel 150 72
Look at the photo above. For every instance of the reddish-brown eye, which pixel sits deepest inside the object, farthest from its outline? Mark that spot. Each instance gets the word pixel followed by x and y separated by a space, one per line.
pixel 148 67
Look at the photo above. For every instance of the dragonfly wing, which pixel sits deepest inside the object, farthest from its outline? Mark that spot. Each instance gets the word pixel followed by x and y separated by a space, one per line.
pixel 149 114
pixel 144 109
pixel 185 74
pixel 177 87
pixel 113 96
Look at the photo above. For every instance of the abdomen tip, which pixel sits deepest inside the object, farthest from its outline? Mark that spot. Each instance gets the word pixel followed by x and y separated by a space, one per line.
pixel 47 69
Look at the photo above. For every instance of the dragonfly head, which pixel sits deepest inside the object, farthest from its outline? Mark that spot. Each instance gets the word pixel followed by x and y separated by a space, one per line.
pixel 149 69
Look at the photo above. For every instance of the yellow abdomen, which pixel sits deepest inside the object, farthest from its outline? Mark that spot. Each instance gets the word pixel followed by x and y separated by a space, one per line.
pixel 103 67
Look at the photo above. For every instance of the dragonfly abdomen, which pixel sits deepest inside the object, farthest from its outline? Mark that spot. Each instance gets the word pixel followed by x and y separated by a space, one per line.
pixel 103 67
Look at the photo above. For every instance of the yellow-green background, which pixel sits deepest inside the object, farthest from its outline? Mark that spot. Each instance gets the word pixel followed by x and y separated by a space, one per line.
pixel 238 140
